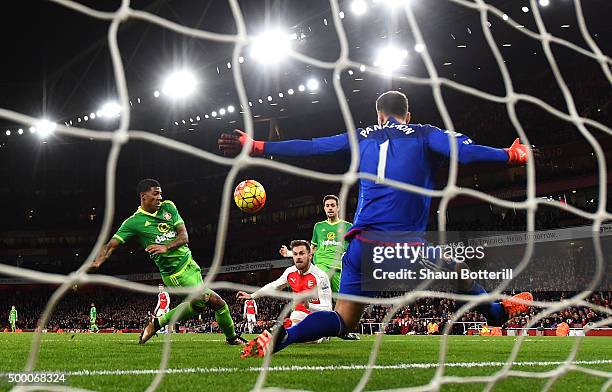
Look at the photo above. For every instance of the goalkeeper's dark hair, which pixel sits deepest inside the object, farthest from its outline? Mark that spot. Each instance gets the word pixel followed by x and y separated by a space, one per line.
pixel 392 103
pixel 331 197
pixel 146 184
pixel 305 243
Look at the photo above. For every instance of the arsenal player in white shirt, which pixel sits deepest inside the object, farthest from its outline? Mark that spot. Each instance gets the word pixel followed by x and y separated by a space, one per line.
pixel 303 276
pixel 163 305
pixel 250 313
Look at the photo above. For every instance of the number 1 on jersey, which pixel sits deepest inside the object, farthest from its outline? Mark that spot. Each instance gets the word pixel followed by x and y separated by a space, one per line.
pixel 382 161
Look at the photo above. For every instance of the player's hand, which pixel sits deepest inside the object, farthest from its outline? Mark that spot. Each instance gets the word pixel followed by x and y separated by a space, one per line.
pixel 518 153
pixel 231 145
pixel 243 295
pixel 93 267
pixel 283 251
pixel 156 249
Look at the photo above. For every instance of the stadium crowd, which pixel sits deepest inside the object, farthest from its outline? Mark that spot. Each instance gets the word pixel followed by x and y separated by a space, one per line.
pixel 121 310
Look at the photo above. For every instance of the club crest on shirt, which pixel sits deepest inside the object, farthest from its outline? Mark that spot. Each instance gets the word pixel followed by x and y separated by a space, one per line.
pixel 167 215
pixel 310 284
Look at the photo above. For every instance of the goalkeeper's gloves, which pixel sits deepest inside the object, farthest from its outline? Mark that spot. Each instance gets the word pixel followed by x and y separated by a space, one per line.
pixel 517 153
pixel 231 145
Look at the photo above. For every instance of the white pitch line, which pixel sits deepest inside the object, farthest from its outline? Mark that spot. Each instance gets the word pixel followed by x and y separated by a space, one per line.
pixel 296 368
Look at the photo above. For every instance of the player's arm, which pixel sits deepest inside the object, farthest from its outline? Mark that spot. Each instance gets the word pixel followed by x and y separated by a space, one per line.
pixel 104 254
pixel 244 311
pixel 255 305
pixel 278 284
pixel 468 152
pixel 285 252
pixel 181 239
pixel 233 144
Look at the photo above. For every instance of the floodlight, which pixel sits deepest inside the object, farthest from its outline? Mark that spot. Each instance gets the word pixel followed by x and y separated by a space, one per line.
pixel 312 84
pixel 45 127
pixel 110 109
pixel 179 84
pixel 271 47
pixel 390 58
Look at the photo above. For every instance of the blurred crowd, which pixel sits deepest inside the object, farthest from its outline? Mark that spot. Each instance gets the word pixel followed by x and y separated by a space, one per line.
pixel 121 310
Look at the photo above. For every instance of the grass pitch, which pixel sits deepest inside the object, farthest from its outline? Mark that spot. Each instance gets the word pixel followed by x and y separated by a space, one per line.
pixel 115 362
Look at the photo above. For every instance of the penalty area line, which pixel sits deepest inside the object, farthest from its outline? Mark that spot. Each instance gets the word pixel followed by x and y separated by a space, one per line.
pixel 297 368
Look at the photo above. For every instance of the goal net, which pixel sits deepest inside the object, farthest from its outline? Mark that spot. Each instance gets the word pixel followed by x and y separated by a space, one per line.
pixel 510 98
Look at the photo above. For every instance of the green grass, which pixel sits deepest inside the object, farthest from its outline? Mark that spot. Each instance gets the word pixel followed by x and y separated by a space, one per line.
pixel 96 352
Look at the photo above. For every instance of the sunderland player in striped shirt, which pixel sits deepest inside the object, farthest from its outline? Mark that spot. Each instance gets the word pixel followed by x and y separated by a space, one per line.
pixel 391 149
pixel 163 305
pixel 160 230
pixel 302 276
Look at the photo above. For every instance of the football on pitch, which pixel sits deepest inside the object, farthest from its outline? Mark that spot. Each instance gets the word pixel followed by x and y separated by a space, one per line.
pixel 250 196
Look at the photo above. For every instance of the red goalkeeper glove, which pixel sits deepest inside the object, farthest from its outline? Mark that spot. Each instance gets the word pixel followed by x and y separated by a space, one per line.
pixel 517 153
pixel 231 145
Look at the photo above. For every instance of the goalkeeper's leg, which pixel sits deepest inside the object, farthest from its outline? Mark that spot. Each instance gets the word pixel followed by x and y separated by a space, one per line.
pixel 496 313
pixel 315 326
pixel 335 275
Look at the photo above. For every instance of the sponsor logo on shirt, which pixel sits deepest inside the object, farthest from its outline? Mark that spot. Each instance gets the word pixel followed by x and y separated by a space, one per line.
pixel 163 227
pixel 165 237
pixel 330 242
pixel 331 235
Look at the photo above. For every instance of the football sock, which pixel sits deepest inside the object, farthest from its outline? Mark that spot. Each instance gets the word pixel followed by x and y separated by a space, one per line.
pixel 185 311
pixel 493 311
pixel 224 319
pixel 315 326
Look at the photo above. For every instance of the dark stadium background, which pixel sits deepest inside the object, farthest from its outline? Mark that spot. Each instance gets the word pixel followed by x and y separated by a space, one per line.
pixel 56 63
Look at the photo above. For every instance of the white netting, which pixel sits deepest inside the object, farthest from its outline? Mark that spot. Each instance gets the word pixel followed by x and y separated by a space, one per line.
pixel 121 135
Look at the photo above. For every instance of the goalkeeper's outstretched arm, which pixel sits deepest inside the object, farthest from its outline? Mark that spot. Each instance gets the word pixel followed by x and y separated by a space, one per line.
pixel 437 141
pixel 469 152
pixel 232 145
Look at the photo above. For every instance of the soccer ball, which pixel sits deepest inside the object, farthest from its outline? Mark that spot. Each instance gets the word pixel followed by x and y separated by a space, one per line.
pixel 250 196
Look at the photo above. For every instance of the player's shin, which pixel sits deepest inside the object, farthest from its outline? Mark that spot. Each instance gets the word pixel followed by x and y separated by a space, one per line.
pixel 224 319
pixel 315 326
pixel 185 311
